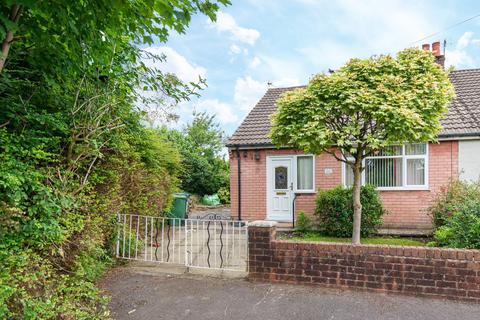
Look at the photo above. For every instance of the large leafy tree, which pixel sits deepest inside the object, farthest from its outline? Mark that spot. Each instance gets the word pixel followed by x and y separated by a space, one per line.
pixel 366 105
pixel 77 28
pixel 200 143
pixel 73 147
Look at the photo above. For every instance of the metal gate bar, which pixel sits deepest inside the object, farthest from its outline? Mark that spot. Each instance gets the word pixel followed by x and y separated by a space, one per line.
pixel 196 243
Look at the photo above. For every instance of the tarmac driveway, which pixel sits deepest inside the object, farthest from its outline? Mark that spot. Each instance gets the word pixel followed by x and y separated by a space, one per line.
pixel 140 295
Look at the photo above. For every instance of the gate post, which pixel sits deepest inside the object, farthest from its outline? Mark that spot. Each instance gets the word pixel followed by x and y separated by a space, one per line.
pixel 185 224
pixel 260 236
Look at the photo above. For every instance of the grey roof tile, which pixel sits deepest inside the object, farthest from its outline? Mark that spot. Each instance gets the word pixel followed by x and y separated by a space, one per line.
pixel 463 117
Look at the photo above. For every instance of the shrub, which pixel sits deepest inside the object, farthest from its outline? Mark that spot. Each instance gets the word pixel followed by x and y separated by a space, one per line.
pixel 451 199
pixel 224 195
pixel 303 222
pixel 456 214
pixel 335 211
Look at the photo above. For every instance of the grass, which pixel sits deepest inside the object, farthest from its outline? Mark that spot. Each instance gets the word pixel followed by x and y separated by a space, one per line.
pixel 394 241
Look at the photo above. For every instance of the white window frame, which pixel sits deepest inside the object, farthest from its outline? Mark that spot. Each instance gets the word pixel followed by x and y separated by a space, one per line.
pixel 295 189
pixel 405 159
pixel 294 170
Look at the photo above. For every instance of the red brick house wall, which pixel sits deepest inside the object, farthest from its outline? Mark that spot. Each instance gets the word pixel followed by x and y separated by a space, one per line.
pixel 407 209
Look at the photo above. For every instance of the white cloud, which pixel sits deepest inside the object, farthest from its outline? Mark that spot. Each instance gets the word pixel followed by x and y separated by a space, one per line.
pixel 255 62
pixel 363 28
pixel 248 91
pixel 383 26
pixel 226 23
pixel 335 54
pixel 464 40
pixel 286 82
pixel 280 68
pixel 459 56
pixel 234 49
pixel 223 111
pixel 175 63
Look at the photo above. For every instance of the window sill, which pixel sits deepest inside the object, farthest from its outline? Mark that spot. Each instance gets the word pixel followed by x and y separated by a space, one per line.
pixel 305 192
pixel 405 189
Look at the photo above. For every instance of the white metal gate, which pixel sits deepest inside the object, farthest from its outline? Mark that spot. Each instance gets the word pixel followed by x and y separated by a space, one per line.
pixel 214 244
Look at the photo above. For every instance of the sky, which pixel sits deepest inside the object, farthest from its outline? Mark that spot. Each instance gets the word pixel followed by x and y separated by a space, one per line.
pixel 257 42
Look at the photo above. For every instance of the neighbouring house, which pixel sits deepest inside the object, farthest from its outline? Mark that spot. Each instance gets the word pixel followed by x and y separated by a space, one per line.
pixel 268 183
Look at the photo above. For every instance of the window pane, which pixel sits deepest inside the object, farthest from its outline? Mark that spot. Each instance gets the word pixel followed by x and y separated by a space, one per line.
pixel 389 151
pixel 416 172
pixel 305 173
pixel 348 176
pixel 416 149
pixel 281 178
pixel 384 172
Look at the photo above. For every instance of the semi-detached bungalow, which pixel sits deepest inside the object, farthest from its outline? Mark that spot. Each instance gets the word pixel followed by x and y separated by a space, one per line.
pixel 267 183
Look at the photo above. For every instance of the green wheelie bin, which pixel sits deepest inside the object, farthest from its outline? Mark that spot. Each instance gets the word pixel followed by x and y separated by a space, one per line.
pixel 179 208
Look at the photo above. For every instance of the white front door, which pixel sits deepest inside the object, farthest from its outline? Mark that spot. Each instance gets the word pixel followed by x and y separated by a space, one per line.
pixel 279 188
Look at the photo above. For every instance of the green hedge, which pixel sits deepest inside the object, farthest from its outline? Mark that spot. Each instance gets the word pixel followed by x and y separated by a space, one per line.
pixel 456 215
pixel 334 211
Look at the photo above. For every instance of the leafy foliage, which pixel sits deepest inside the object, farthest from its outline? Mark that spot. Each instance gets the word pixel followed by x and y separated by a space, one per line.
pixel 224 195
pixel 364 106
pixel 334 211
pixel 200 142
pixel 303 223
pixel 73 148
pixel 456 213
pixel 451 199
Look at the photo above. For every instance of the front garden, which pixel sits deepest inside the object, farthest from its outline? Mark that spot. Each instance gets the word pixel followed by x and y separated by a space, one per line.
pixel 386 240
pixel 455 214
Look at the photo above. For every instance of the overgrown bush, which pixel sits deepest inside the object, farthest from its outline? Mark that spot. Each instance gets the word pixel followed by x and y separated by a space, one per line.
pixel 334 210
pixel 76 90
pixel 54 240
pixel 456 214
pixel 451 199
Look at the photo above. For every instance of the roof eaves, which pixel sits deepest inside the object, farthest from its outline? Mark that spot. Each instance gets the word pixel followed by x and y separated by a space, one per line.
pixel 251 145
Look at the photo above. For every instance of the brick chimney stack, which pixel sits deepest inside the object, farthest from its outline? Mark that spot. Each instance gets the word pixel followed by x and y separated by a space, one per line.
pixel 439 57
pixel 436 49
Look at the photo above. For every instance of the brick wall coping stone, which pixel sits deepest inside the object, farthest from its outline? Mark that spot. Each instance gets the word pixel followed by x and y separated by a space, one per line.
pixel 388 250
pixel 262 224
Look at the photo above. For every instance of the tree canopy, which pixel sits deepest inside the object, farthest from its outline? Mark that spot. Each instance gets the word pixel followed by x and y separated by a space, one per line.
pixel 364 106
pixel 73 146
pixel 200 143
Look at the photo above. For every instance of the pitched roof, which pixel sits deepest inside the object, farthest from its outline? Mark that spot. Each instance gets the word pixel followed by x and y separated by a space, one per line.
pixel 462 119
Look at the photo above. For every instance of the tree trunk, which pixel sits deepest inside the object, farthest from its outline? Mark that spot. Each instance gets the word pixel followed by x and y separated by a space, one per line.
pixel 357 205
pixel 7 42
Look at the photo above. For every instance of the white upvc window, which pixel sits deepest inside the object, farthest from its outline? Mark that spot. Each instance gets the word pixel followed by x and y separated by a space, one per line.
pixel 394 168
pixel 304 168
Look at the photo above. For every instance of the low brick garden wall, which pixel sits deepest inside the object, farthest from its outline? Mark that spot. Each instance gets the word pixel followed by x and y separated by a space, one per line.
pixel 448 273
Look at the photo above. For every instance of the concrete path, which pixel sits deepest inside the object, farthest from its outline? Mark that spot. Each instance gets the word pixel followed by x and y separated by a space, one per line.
pixel 141 295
